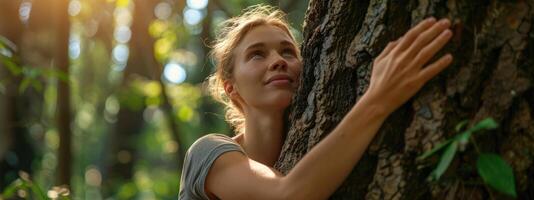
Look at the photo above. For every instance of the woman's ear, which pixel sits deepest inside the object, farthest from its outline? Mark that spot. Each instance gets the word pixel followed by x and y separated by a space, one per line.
pixel 229 89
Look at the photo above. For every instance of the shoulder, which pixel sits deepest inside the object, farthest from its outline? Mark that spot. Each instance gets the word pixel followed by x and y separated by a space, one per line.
pixel 207 148
pixel 199 159
pixel 211 142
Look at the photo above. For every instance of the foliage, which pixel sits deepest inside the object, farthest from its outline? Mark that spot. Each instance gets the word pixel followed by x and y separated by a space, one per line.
pixel 25 188
pixel 31 76
pixel 496 173
pixel 491 167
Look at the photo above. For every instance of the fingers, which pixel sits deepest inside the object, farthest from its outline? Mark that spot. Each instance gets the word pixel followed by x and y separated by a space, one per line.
pixel 425 54
pixel 389 47
pixel 433 69
pixel 413 33
pixel 427 37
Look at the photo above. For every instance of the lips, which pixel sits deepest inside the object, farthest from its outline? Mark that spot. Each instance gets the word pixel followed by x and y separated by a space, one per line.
pixel 279 77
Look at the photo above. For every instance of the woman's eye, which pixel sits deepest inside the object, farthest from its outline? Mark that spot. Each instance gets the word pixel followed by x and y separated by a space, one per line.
pixel 288 53
pixel 256 55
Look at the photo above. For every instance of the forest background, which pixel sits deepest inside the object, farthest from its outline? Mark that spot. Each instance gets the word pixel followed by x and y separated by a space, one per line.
pixel 103 97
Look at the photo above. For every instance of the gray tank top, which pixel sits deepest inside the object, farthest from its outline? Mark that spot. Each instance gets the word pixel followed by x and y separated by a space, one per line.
pixel 198 161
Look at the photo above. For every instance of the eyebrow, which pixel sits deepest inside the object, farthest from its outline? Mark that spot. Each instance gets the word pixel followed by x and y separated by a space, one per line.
pixel 261 44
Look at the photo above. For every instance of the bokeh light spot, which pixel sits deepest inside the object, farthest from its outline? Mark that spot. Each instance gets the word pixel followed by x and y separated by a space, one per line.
pixel 163 10
pixel 174 73
pixel 75 7
pixel 120 53
pixel 123 16
pixel 122 34
pixel 93 177
pixel 112 105
pixel 74 48
pixel 197 4
pixel 193 16
pixel 24 11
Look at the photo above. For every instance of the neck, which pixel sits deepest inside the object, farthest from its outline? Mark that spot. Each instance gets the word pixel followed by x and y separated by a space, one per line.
pixel 263 135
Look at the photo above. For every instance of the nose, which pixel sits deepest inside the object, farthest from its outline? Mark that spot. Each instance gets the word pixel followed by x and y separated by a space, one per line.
pixel 279 63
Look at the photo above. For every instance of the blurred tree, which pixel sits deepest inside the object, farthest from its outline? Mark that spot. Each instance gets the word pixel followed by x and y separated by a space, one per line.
pixel 141 64
pixel 102 14
pixel 61 57
pixel 33 62
pixel 130 120
pixel 492 76
pixel 16 150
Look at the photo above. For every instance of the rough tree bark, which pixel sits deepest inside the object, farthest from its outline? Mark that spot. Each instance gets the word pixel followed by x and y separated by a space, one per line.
pixel 491 76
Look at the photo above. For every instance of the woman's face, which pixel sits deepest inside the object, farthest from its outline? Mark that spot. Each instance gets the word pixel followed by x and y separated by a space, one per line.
pixel 266 69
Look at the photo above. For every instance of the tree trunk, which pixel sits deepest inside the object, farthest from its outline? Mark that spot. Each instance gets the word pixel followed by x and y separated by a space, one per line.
pixel 130 121
pixel 16 149
pixel 491 76
pixel 63 93
pixel 141 63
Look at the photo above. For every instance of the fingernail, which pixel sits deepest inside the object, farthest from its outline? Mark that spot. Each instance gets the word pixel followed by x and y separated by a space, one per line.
pixel 431 19
pixel 449 56
pixel 447 32
pixel 445 21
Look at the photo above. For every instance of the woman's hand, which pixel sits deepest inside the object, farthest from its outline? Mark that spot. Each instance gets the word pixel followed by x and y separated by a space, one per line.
pixel 398 72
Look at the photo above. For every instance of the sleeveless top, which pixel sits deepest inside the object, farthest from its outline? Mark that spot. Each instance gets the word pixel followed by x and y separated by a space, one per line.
pixel 197 163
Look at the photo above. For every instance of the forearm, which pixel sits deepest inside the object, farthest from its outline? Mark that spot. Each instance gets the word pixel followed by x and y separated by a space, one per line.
pixel 324 168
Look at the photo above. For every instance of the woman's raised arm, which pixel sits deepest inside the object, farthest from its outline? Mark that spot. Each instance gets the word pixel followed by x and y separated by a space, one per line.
pixel 397 75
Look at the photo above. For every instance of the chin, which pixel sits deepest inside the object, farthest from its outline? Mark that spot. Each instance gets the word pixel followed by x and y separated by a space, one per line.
pixel 282 101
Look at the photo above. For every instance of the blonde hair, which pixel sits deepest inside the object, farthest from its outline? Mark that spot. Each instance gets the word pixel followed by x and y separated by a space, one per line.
pixel 232 32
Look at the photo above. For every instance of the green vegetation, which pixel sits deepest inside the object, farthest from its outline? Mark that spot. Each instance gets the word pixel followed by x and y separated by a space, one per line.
pixel 491 167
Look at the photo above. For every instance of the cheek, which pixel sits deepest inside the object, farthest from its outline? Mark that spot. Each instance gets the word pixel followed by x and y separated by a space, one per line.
pixel 296 67
pixel 248 78
pixel 253 71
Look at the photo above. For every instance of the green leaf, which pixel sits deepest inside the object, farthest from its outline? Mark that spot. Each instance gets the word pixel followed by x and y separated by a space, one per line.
pixel 11 190
pixel 24 84
pixel 31 72
pixel 37 85
pixel 445 161
pixel 62 76
pixel 487 124
pixel 461 125
pixel 463 138
pixel 496 173
pixel 434 150
pixel 7 44
pixel 38 192
pixel 12 67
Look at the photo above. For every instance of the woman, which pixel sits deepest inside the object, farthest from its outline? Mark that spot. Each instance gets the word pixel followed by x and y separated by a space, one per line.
pixel 258 69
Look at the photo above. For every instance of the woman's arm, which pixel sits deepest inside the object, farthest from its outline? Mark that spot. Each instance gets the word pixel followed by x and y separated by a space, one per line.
pixel 397 75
